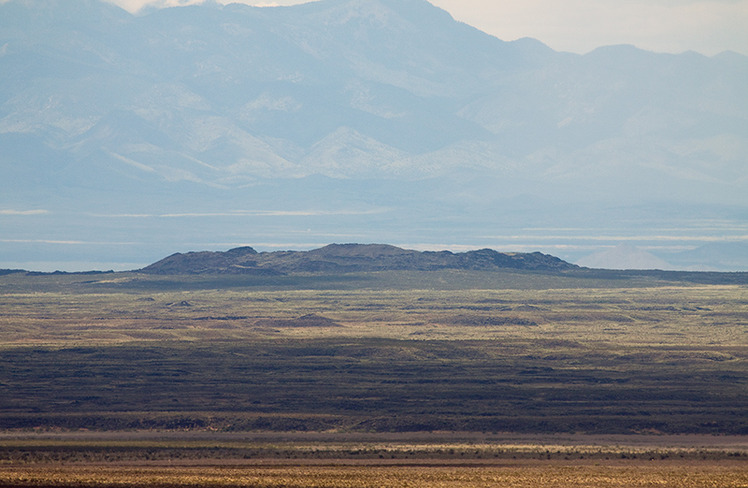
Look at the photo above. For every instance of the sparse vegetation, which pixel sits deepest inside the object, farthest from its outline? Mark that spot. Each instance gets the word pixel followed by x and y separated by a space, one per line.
pixel 441 354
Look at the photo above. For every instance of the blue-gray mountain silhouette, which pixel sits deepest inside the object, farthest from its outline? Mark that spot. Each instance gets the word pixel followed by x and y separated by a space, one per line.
pixel 342 258
pixel 338 105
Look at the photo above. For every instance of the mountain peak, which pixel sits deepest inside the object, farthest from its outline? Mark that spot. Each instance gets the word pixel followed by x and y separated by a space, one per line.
pixel 624 256
pixel 360 250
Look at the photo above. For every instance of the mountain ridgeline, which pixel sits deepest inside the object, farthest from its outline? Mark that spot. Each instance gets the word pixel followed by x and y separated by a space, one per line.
pixel 345 258
pixel 221 96
pixel 377 120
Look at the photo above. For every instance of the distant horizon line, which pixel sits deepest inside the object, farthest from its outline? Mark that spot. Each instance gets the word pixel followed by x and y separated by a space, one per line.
pixel 76 266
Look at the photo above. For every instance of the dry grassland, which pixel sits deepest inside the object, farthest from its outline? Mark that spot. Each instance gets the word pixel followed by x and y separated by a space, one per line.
pixel 433 379
pixel 684 316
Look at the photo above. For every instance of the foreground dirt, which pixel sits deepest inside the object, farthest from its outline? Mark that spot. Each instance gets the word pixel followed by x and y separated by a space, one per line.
pixel 336 460
pixel 527 474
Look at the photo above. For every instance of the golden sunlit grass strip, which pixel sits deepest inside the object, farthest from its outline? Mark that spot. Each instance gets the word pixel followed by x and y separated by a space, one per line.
pixel 548 476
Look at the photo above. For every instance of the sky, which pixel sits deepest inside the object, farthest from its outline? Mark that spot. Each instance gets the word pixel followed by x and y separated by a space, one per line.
pixel 674 26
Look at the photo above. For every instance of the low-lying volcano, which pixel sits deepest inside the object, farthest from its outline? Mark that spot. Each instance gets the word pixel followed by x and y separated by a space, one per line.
pixel 342 258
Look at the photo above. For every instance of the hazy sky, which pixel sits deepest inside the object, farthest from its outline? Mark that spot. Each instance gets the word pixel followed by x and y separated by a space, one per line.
pixel 706 26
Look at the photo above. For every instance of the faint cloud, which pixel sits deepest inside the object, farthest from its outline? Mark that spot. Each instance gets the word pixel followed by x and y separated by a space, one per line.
pixel 133 163
pixel 69 266
pixel 245 213
pixel 23 212
pixel 66 242
pixel 620 238
pixel 41 241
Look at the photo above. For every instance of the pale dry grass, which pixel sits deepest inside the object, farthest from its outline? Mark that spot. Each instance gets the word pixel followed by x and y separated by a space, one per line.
pixel 662 316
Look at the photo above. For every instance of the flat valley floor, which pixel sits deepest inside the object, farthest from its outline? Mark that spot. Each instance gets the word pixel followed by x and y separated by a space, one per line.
pixel 453 379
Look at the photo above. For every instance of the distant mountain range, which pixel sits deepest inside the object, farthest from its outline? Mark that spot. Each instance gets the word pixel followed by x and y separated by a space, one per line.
pixel 344 258
pixel 387 118
pixel 222 96
pixel 336 260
